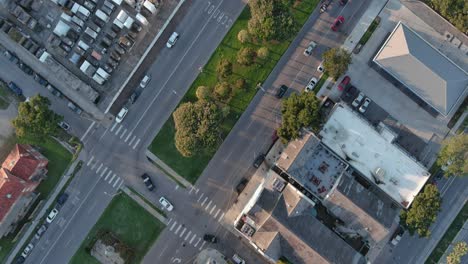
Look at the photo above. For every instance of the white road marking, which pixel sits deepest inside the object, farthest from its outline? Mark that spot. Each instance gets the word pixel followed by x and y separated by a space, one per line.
pixel 208 205
pixel 176 187
pixel 120 185
pixel 198 241
pixel 212 209
pixel 178 228
pixel 131 141
pixel 217 212
pixel 221 217
pixel 94 166
pixel 196 192
pixel 123 133
pixel 118 130
pixel 103 172
pixel 169 222
pixel 136 143
pixel 99 168
pixel 202 245
pixel 183 231
pixel 90 160
pixel 113 176
pixel 188 234
pixel 191 189
pixel 173 225
pixel 108 174
pixel 204 201
pixel 87 131
pixel 129 134
pixel 115 183
pixel 200 197
pixel 216 13
pixel 112 128
pixel 191 240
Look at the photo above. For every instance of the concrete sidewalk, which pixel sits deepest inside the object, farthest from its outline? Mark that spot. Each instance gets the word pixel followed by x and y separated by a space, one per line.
pixel 45 207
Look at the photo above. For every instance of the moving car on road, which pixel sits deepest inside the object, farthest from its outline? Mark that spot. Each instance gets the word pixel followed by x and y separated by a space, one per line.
pixel 358 100
pixel 121 115
pixel 50 218
pixel 210 238
pixel 281 91
pixel 259 160
pixel 172 40
pixel 148 182
pixel 338 21
pixel 310 86
pixel 310 48
pixel 364 106
pixel 166 204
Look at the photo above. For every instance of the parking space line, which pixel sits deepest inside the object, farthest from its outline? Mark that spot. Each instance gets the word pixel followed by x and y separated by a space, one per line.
pixel 108 174
pixel 212 209
pixel 115 183
pixel 198 241
pixel 90 160
pixel 200 197
pixel 123 133
pixel 118 130
pixel 173 225
pixel 131 141
pixel 103 172
pixel 204 201
pixel 217 212
pixel 208 205
pixel 187 236
pixel 178 228
pixel 191 240
pixel 183 231
pixel 129 134
pixel 111 179
pixel 112 128
pixel 221 217
pixel 98 169
pixel 136 143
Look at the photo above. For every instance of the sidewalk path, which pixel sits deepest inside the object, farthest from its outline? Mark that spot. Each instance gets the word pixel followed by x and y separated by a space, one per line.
pixel 168 169
pixel 144 204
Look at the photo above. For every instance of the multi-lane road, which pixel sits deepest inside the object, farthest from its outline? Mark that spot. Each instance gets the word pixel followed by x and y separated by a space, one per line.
pixel 113 153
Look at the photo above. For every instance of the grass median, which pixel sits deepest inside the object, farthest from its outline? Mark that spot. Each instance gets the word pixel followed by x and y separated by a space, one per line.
pixel 129 222
pixel 163 145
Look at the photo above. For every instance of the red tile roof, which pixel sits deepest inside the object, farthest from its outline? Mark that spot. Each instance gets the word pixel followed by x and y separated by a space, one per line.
pixel 23 161
pixel 11 189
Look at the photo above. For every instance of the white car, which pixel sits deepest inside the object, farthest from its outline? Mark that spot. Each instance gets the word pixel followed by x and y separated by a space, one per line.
pixel 27 250
pixel 121 115
pixel 50 218
pixel 64 125
pixel 310 48
pixel 237 259
pixel 320 67
pixel 166 204
pixel 364 106
pixel 172 40
pixel 144 82
pixel 310 86
pixel 358 100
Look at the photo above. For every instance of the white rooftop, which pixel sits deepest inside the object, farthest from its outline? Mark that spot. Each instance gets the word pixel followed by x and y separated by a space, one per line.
pixel 374 155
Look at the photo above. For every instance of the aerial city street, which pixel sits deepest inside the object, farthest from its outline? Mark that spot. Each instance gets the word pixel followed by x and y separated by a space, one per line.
pixel 233 131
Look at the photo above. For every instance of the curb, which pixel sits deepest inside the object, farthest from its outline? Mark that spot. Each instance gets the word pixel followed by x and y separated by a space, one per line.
pixel 168 170
pixel 144 204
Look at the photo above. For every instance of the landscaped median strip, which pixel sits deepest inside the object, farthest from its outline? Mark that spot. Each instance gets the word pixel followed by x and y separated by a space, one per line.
pixel 163 145
pixel 141 200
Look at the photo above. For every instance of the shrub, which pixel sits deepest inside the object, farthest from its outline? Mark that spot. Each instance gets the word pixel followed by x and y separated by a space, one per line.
pixel 222 91
pixel 246 56
pixel 263 52
pixel 243 36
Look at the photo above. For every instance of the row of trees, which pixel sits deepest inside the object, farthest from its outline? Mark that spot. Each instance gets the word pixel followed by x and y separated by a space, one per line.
pixel 456 11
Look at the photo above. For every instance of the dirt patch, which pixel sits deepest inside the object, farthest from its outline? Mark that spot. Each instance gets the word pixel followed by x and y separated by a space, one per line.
pixel 108 249
pixel 106 254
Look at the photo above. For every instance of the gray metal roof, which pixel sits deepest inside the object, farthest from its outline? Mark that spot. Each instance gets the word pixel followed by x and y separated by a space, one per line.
pixel 423 69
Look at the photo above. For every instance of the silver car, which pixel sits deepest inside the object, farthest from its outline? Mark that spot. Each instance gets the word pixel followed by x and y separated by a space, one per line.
pixel 166 204
pixel 364 106
pixel 358 100
pixel 172 40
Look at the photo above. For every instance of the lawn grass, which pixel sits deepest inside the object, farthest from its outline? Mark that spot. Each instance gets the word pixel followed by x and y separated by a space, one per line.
pixel 163 145
pixel 449 235
pixel 320 82
pixel 150 204
pixel 369 32
pixel 130 222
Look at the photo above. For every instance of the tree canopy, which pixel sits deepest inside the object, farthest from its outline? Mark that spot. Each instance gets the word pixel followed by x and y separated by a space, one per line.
pixel 246 56
pixel 197 126
pixel 222 91
pixel 459 250
pixel 453 157
pixel 423 211
pixel 270 20
pixel 224 68
pixel 35 119
pixel 336 62
pixel 299 111
pixel 455 11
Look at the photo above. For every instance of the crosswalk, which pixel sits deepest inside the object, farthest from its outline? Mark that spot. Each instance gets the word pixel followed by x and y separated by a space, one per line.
pixel 125 135
pixel 188 236
pixel 206 204
pixel 105 173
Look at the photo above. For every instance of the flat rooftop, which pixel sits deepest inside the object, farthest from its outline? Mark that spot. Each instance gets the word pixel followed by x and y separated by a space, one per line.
pixel 312 165
pixel 374 155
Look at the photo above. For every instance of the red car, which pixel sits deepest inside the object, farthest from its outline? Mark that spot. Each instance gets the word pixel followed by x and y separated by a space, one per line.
pixel 338 21
pixel 346 80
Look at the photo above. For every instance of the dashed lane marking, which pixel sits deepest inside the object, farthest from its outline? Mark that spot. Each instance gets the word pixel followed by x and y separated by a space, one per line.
pixel 129 134
pixel 118 130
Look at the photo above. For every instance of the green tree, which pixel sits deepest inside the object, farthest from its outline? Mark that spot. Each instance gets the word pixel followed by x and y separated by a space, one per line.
pixel 263 52
pixel 459 250
pixel 299 111
pixel 455 11
pixel 240 84
pixel 270 20
pixel 203 93
pixel 454 155
pixel 224 68
pixel 35 119
pixel 197 126
pixel 222 91
pixel 243 36
pixel 246 56
pixel 422 212
pixel 336 61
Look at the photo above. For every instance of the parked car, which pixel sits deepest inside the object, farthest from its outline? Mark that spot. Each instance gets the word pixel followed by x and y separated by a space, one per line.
pixel 144 82
pixel 310 48
pixel 259 160
pixel 15 88
pixel 50 218
pixel 338 21
pixel 148 182
pixel 38 78
pixel 343 2
pixel 344 83
pixel 62 198
pixel 166 204
pixel 210 238
pixel 54 91
pixel 11 57
pixel 27 250
pixel 134 97
pixel 237 259
pixel 121 115
pixel 241 186
pixel 25 68
pixel 64 125
pixel 357 101
pixel 172 40
pixel 364 106
pixel 281 91
pixel 320 68
pixel 136 27
pixel 310 86
pixel 74 108
pixel 350 90
pixel 119 50
pixel 40 231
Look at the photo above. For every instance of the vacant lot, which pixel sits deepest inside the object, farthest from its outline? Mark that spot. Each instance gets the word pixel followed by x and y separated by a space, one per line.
pixel 127 220
pixel 163 145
